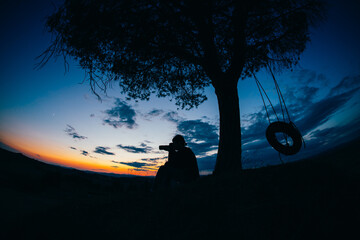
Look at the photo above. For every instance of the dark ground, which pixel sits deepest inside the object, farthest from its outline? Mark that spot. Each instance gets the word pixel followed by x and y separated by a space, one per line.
pixel 317 198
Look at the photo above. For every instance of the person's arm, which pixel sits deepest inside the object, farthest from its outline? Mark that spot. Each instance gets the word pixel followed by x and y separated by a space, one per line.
pixel 172 157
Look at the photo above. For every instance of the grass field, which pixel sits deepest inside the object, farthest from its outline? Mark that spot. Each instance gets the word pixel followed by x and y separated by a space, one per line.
pixel 316 198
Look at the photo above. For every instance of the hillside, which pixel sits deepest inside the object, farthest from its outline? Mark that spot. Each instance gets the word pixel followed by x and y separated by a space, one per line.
pixel 316 198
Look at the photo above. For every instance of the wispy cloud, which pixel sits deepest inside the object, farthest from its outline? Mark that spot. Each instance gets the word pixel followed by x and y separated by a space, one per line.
pixel 85 153
pixel 135 164
pixel 103 150
pixel 336 134
pixel 155 112
pixel 347 83
pixel 121 115
pixel 72 133
pixel 155 160
pixel 321 111
pixel 308 76
pixel 143 148
pixel 172 117
pixel 139 166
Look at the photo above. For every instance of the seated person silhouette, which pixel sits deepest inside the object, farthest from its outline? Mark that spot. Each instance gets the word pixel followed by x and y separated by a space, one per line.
pixel 181 167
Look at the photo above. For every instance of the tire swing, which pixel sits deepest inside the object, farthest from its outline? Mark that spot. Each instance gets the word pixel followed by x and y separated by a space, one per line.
pixel 287 129
pixel 284 128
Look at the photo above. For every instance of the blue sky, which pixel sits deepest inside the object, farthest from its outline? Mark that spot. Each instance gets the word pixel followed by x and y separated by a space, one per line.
pixel 49 115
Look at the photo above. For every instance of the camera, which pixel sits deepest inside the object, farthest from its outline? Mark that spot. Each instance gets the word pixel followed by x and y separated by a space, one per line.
pixel 166 147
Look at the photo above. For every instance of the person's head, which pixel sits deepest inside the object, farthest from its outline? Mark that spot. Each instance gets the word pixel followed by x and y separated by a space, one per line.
pixel 179 142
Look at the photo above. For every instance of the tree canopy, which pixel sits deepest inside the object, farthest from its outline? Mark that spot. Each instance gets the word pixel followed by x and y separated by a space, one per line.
pixel 178 47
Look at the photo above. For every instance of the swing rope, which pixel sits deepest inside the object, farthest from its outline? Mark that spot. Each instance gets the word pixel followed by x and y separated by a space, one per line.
pixel 281 98
pixel 261 89
pixel 281 102
pixel 284 111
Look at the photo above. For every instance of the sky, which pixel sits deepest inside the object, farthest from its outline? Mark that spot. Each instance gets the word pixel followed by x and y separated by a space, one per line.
pixel 51 114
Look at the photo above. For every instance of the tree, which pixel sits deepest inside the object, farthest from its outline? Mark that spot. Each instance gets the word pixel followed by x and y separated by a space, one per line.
pixel 177 48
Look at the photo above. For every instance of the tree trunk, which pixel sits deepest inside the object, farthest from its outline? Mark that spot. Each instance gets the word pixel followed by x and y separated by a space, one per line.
pixel 229 151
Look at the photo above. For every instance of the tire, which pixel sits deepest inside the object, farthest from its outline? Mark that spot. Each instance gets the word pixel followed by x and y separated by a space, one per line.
pixel 288 129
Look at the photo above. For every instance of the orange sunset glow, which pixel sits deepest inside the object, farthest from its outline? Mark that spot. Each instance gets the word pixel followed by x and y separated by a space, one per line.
pixel 52 154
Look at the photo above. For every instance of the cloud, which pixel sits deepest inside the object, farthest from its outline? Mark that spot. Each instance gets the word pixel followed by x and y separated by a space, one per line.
pixel 305 94
pixel 143 148
pixel 72 132
pixel 103 150
pixel 349 82
pixel 172 117
pixel 257 123
pixel 200 136
pixel 121 115
pixel 155 112
pixel 85 153
pixel 307 76
pixel 321 111
pixel 157 159
pixel 139 166
pixel 134 164
pixel 335 134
